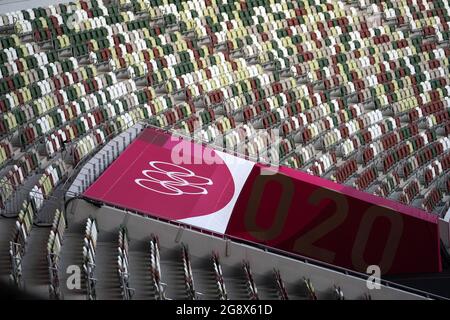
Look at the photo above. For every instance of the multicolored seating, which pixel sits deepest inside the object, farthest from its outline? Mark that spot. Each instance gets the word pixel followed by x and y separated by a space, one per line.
pixel 342 90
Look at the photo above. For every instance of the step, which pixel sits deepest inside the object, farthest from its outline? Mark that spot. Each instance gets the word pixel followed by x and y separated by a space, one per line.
pixel 140 277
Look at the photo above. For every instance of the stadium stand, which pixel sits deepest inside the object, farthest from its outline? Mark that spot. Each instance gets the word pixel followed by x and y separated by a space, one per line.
pixel 357 92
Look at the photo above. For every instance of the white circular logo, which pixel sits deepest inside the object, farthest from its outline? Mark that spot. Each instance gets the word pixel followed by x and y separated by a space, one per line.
pixel 182 180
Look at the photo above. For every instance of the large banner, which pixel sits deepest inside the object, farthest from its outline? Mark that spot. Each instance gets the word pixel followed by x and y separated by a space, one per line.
pixel 173 179
pixel 317 218
pixel 163 176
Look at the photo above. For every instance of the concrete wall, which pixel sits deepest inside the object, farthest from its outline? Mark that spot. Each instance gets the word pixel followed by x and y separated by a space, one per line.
pixel 231 253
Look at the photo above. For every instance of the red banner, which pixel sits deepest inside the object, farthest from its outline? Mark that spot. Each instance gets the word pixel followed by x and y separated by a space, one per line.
pixel 317 218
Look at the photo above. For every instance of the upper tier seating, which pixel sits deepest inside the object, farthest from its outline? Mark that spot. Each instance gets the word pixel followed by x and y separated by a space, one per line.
pixel 346 87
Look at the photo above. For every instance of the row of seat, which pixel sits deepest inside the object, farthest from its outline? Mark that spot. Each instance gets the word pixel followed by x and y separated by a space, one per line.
pixel 312 79
pixel 123 265
pixel 28 163
pixel 409 192
pixel 209 61
pixel 187 272
pixel 57 239
pixel 252 291
pixel 49 180
pixel 282 293
pixel 345 94
pixel 102 159
pixel 15 176
pixel 49 77
pixel 6 151
pixel 91 123
pixel 419 13
pixel 431 172
pixel 344 171
pixel 311 294
pixel 12 179
pixel 21 233
pixel 425 155
pixel 221 289
pixel 323 164
pixel 366 178
pixel 404 150
pixel 431 199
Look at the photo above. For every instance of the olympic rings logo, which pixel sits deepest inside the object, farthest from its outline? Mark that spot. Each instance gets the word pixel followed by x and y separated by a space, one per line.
pixel 177 185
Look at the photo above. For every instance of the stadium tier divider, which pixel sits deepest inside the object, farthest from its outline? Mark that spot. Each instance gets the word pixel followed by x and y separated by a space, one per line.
pixel 102 159
pixel 54 246
pixel 122 265
pixel 155 269
pixel 221 289
pixel 17 245
pixel 89 250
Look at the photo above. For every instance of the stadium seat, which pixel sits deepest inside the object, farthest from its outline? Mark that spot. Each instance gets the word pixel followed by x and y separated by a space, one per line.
pixel 123 265
pixel 54 247
pixel 19 240
pixel 282 293
pixel 221 289
pixel 358 92
pixel 250 284
pixel 188 277
pixel 155 269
